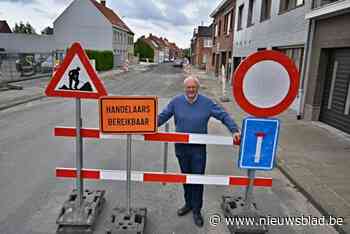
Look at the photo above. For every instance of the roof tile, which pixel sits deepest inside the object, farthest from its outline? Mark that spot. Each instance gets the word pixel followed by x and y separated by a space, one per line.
pixel 112 17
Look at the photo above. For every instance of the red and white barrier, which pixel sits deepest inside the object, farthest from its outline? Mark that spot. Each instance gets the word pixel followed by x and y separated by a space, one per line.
pixel 175 137
pixel 158 177
pixel 126 66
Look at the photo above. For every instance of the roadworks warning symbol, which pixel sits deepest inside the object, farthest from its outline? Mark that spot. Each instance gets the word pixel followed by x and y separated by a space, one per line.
pixel 75 83
pixel 76 77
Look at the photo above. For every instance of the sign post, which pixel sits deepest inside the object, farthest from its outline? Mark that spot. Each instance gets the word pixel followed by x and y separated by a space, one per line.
pixel 79 152
pixel 264 85
pixel 76 78
pixel 249 190
pixel 128 172
pixel 128 115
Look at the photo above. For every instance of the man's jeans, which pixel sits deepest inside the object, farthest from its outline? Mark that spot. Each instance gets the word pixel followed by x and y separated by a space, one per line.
pixel 193 163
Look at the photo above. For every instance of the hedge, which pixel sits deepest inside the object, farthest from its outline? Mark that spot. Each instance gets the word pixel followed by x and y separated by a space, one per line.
pixel 103 59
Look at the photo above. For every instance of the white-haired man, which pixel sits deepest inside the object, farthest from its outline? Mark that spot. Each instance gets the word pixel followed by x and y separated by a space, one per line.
pixel 192 112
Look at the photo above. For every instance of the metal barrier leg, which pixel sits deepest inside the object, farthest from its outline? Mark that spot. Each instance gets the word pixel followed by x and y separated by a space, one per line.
pixel 127 220
pixel 165 152
pixel 79 212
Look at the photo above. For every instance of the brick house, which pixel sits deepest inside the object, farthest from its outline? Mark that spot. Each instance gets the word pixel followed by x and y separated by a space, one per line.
pixel 223 21
pixel 155 46
pixel 201 47
pixel 173 52
pixel 161 47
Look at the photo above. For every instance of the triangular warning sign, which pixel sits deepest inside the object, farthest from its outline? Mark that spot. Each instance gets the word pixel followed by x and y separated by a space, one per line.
pixel 76 77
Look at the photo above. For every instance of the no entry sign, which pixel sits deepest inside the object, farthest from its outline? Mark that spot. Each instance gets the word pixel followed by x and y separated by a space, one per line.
pixel 265 83
pixel 128 114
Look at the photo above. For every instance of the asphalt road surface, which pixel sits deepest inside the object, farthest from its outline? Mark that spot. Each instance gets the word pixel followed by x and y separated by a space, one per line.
pixel 31 196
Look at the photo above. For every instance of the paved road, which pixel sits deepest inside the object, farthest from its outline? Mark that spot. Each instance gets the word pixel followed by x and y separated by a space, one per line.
pixel 31 196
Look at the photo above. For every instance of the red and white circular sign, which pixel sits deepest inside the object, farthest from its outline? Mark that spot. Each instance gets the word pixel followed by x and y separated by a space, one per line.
pixel 265 83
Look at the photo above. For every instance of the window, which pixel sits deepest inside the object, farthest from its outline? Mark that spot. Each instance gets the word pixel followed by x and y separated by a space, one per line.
pixel 287 5
pixel 208 43
pixel 216 30
pixel 240 17
pixel 296 54
pixel 265 10
pixel 228 23
pixel 300 2
pixel 319 3
pixel 219 29
pixel 250 13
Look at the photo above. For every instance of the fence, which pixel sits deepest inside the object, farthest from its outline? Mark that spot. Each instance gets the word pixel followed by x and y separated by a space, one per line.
pixel 19 66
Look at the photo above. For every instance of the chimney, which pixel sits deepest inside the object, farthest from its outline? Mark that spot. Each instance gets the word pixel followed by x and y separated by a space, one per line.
pixel 150 35
pixel 103 2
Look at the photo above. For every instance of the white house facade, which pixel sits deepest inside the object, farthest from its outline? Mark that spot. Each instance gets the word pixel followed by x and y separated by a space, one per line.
pixel 271 24
pixel 89 22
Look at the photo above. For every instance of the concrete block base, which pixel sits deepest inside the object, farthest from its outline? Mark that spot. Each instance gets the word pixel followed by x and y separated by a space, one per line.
pixel 234 207
pixel 80 220
pixel 123 223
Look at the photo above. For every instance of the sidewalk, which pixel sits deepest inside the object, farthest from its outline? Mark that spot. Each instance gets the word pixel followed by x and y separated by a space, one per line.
pixel 314 156
pixel 10 98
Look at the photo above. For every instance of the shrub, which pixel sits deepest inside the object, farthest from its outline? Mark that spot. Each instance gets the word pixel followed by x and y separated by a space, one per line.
pixel 103 59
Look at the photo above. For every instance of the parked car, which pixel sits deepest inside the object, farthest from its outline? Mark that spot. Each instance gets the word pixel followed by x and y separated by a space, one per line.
pixel 178 63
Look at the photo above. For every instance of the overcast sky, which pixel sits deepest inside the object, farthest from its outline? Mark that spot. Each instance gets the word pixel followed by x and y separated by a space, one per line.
pixel 174 19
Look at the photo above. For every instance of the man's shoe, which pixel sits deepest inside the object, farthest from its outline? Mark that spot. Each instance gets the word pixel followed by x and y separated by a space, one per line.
pixel 198 219
pixel 184 210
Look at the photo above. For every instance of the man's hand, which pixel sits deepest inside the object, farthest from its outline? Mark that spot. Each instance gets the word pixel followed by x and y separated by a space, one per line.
pixel 236 138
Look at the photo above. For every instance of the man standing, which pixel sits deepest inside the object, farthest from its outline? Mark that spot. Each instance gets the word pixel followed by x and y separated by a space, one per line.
pixel 192 112
pixel 74 76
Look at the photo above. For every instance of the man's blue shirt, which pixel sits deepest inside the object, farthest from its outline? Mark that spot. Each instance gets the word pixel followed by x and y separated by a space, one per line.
pixel 194 117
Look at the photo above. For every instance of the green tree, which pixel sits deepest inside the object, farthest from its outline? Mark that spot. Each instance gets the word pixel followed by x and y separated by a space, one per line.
pixel 24 28
pixel 187 53
pixel 144 50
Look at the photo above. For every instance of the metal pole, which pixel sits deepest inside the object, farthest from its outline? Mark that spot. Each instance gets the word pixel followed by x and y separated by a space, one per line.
pixel 128 172
pixel 79 152
pixel 305 68
pixel 165 158
pixel 223 80
pixel 249 189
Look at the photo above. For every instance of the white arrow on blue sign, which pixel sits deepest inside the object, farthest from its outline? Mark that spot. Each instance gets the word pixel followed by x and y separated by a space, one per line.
pixel 259 143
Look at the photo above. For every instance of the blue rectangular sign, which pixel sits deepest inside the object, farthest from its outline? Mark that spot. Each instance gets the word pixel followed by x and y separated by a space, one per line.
pixel 259 143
